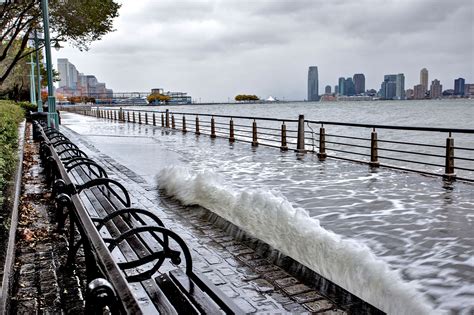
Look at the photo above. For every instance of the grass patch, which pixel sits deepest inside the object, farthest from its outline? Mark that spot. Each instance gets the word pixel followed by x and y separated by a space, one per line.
pixel 11 114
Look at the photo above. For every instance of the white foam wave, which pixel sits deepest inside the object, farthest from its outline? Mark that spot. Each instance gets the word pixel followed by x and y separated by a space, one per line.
pixel 271 218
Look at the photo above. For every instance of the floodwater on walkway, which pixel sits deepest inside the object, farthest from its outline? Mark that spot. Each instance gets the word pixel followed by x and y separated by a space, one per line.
pixel 420 225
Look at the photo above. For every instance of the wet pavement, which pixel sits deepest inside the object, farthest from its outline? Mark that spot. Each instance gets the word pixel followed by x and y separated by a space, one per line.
pixel 253 282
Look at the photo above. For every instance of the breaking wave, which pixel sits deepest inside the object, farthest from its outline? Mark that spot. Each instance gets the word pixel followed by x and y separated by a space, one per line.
pixel 270 217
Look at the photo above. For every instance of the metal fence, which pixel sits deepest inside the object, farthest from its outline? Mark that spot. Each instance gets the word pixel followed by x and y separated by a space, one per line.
pixel 424 150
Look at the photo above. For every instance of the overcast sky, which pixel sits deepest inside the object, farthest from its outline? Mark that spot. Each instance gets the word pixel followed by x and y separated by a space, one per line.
pixel 215 49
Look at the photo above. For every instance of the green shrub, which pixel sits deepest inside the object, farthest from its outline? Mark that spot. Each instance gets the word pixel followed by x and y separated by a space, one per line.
pixel 10 116
pixel 28 107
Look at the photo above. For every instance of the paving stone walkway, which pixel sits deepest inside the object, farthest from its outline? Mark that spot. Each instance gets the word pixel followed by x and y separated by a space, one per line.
pixel 43 285
pixel 254 283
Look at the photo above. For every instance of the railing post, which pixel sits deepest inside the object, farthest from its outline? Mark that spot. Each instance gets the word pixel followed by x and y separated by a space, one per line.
pixel 322 144
pixel 184 124
pixel 97 113
pixel 128 116
pixel 300 147
pixel 133 117
pixel 254 134
pixel 374 156
pixel 172 122
pixel 162 120
pixel 213 128
pixel 284 146
pixel 167 118
pixel 121 117
pixel 146 118
pixel 115 115
pixel 231 131
pixel 449 169
pixel 154 119
pixel 197 126
pixel 139 118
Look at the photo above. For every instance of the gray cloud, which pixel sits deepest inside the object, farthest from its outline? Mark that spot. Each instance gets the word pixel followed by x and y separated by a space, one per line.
pixel 215 48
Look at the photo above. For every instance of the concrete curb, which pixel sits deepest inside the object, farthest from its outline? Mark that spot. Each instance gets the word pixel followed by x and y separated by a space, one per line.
pixel 10 253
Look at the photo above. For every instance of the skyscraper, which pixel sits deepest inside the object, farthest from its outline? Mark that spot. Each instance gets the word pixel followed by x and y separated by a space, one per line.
pixel 400 89
pixel 436 89
pixel 341 86
pixel 313 84
pixel 393 87
pixel 349 88
pixel 359 83
pixel 459 86
pixel 424 78
pixel 419 92
pixel 63 69
pixel 327 90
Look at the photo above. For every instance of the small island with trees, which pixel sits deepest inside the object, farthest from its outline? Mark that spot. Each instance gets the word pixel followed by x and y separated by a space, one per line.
pixel 246 98
pixel 158 98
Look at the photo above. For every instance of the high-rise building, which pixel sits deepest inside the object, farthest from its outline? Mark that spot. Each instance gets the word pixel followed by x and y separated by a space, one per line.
pixel 393 87
pixel 336 89
pixel 313 84
pixel 349 88
pixel 327 89
pixel 359 83
pixel 469 90
pixel 424 78
pixel 419 92
pixel 63 69
pixel 341 86
pixel 436 89
pixel 409 93
pixel 459 86
pixel 400 87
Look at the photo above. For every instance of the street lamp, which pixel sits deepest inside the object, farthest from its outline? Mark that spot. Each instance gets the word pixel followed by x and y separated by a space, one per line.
pixel 38 69
pixel 53 120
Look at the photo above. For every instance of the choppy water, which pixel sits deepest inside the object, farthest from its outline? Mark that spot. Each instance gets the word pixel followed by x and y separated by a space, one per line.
pixel 420 225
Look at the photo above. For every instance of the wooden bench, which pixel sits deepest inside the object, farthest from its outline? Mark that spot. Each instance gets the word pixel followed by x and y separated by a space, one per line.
pixel 138 258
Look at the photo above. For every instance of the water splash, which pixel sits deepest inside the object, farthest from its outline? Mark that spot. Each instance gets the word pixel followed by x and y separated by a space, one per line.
pixel 269 216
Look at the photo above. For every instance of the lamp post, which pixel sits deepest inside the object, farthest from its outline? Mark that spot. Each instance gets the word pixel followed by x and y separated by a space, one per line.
pixel 32 81
pixel 52 115
pixel 38 69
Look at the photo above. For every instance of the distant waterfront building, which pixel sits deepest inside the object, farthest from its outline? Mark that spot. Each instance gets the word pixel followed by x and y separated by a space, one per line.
pixel 419 92
pixel 336 89
pixel 459 86
pixel 341 86
pixel 393 87
pixel 349 88
pixel 436 89
pixel 73 83
pixel 424 78
pixel 327 89
pixel 469 90
pixel 359 83
pixel 313 84
pixel 409 94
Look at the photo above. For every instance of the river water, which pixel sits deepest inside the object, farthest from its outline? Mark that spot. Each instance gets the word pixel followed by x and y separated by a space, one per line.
pixel 419 225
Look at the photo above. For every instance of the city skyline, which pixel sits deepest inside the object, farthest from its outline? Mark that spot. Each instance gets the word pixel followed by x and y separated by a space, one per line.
pixel 220 49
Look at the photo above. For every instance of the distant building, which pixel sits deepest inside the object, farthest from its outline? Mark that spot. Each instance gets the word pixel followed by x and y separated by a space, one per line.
pixel 424 78
pixel 459 86
pixel 436 89
pixel 313 84
pixel 176 98
pixel 409 94
pixel 469 90
pixel 419 92
pixel 341 86
pixel 393 87
pixel 327 89
pixel 73 83
pixel 349 88
pixel 336 89
pixel 359 83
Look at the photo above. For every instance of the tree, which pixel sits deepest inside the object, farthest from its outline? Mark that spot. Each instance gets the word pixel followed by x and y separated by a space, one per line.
pixel 77 22
pixel 17 85
pixel 246 98
pixel 154 97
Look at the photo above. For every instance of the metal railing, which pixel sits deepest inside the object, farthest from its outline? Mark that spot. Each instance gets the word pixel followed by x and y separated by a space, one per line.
pixel 424 150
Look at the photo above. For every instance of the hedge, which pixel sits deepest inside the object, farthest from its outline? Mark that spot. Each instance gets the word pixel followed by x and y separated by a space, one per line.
pixel 10 116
